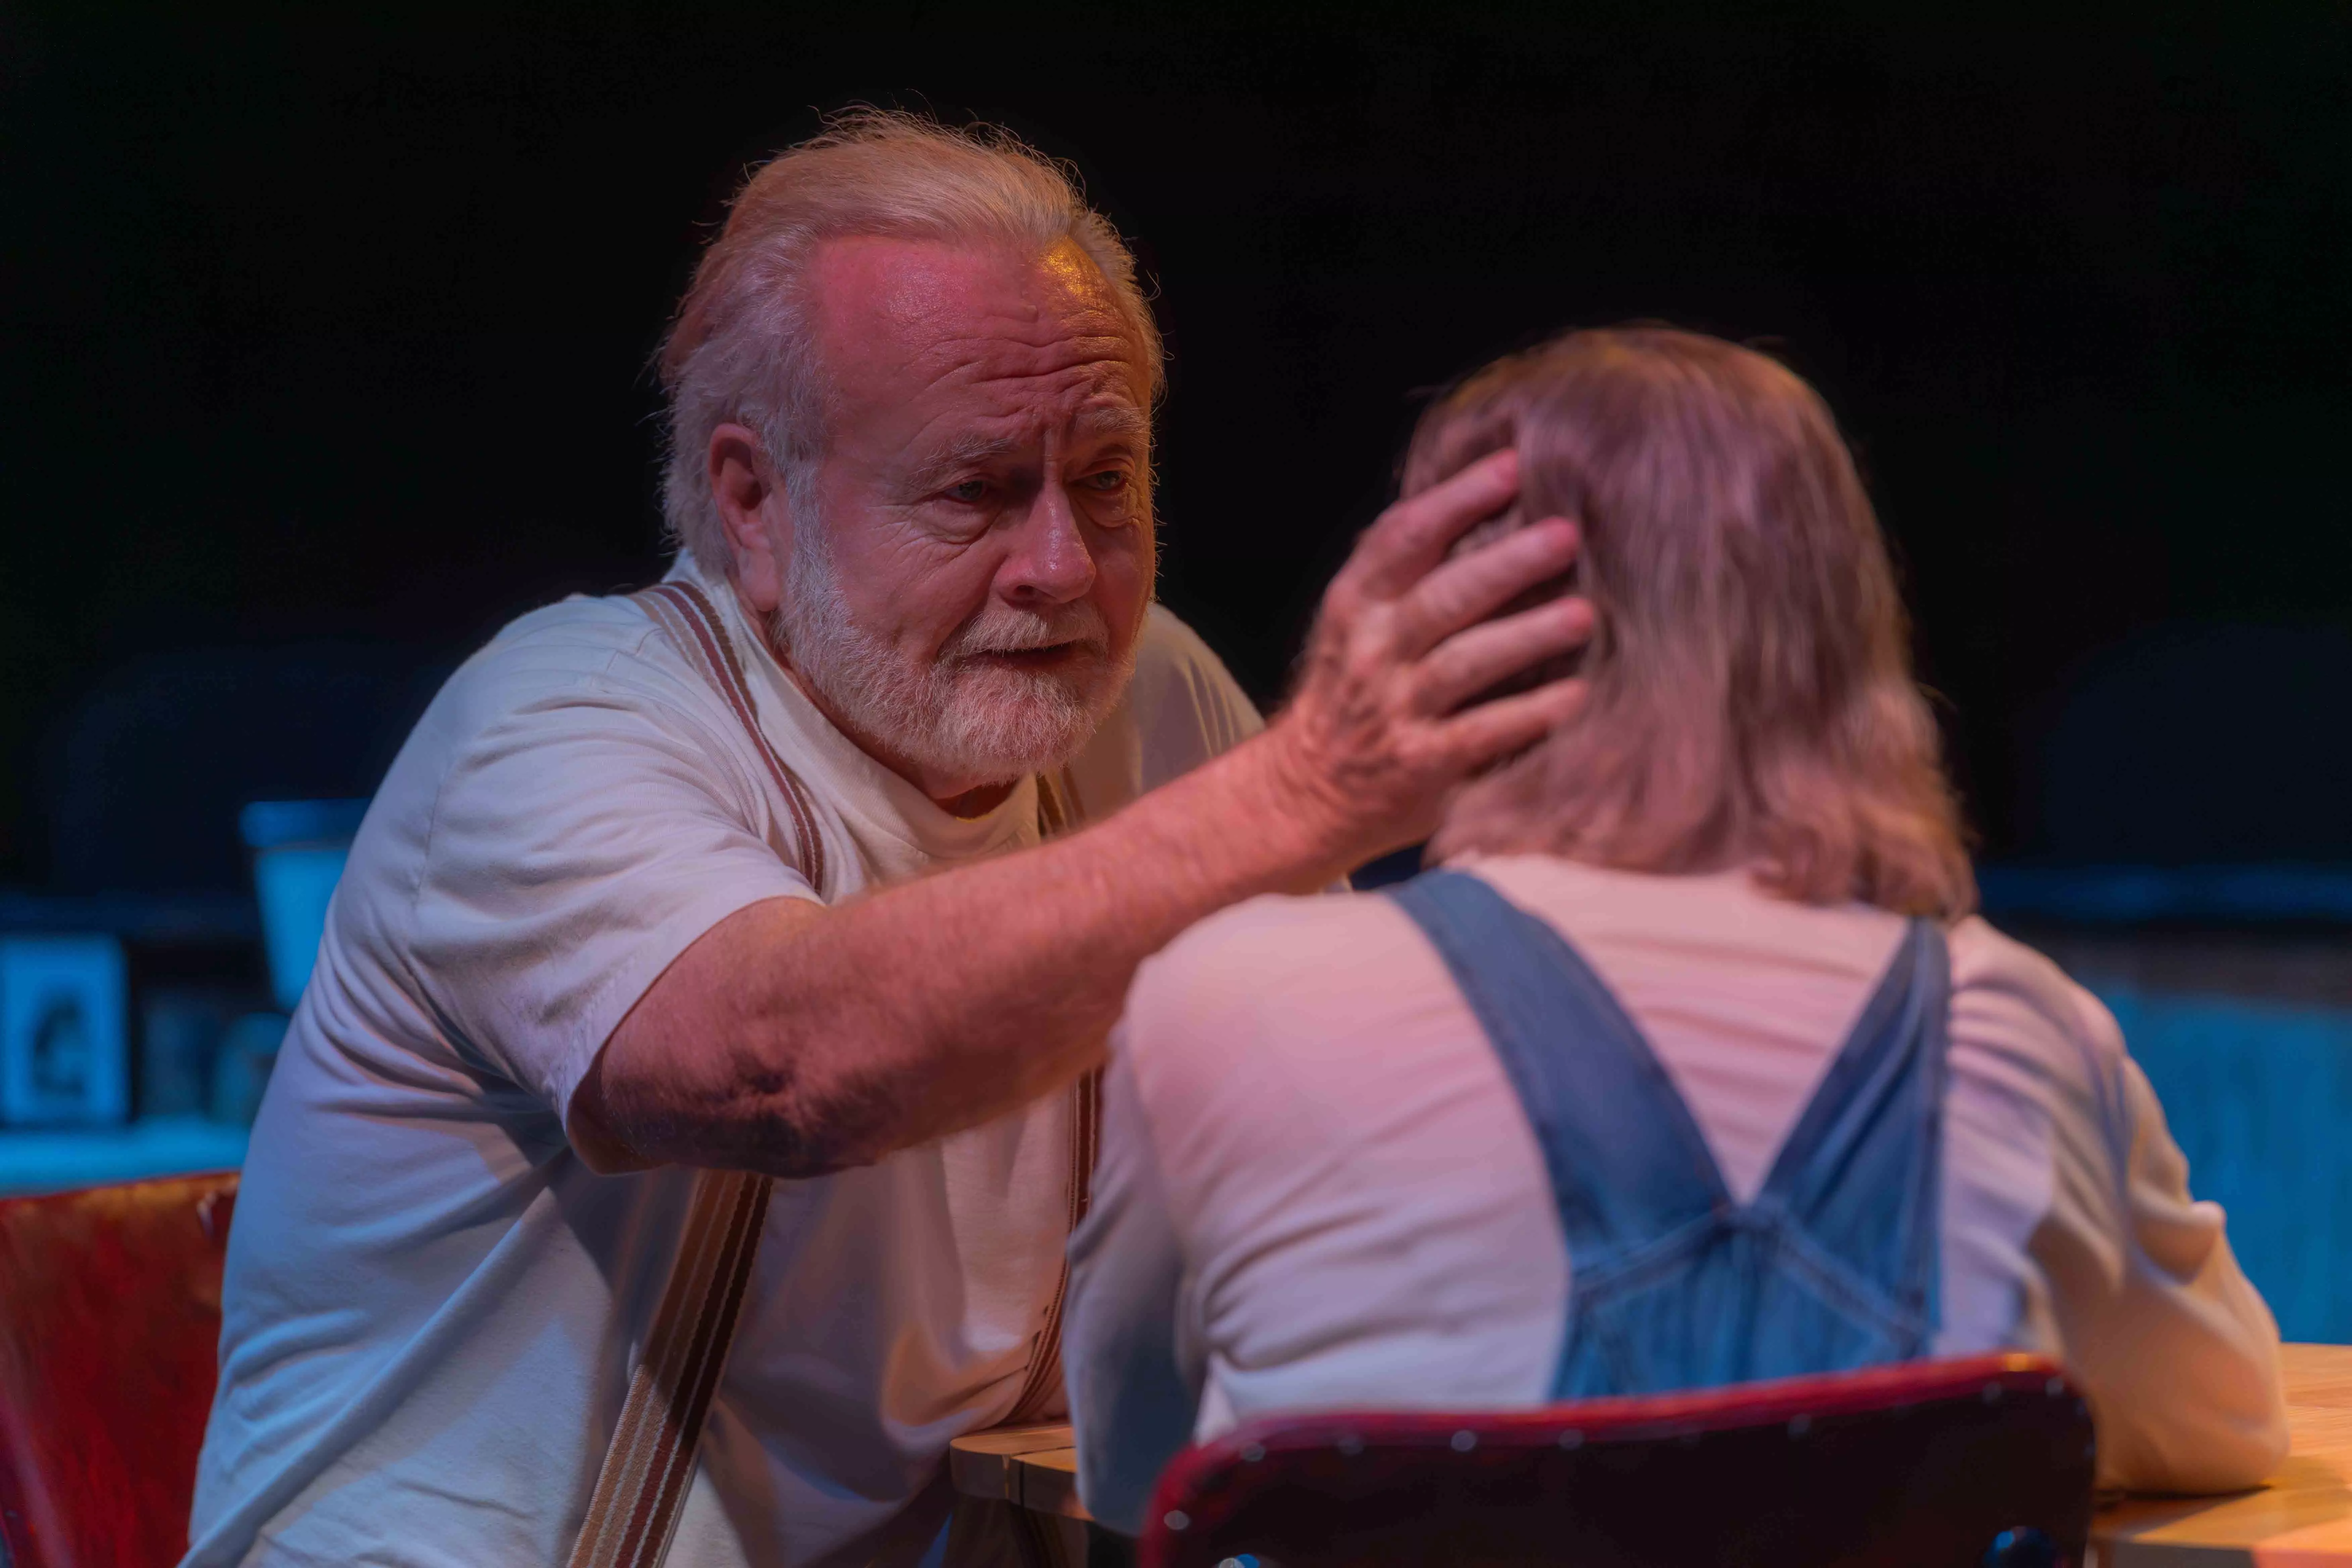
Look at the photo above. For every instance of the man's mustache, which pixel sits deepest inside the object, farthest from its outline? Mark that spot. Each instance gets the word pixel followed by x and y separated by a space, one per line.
pixel 1011 632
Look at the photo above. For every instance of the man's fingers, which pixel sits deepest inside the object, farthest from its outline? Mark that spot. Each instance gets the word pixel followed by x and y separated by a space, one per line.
pixel 1466 591
pixel 1411 536
pixel 1469 662
pixel 1491 730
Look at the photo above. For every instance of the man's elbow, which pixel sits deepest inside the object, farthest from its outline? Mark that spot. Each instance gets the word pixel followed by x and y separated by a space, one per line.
pixel 768 1125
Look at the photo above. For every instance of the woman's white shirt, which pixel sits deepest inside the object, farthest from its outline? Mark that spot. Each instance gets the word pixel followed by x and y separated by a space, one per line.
pixel 1318 1187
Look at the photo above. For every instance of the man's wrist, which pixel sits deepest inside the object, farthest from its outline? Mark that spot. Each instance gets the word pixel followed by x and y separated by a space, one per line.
pixel 1255 819
pixel 1303 816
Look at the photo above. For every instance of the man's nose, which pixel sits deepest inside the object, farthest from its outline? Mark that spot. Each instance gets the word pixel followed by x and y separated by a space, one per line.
pixel 1050 563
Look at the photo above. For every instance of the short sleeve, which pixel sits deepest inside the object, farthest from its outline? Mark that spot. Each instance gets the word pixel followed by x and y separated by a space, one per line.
pixel 2173 1346
pixel 584 833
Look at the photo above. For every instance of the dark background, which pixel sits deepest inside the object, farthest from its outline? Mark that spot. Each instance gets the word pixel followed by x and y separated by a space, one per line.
pixel 324 344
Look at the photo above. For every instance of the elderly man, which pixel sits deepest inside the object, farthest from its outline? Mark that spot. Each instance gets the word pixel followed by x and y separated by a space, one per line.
pixel 746 878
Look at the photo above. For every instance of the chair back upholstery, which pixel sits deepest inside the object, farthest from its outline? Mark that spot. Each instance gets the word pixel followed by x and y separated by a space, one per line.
pixel 1981 1462
pixel 110 1334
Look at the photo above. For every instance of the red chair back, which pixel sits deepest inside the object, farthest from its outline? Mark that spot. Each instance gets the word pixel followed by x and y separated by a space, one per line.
pixel 1940 1464
pixel 109 1335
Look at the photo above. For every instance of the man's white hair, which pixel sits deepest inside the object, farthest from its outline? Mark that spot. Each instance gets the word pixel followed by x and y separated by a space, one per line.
pixel 741 349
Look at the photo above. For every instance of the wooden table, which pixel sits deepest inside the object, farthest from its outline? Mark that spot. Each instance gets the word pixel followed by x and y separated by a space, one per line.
pixel 2302 1519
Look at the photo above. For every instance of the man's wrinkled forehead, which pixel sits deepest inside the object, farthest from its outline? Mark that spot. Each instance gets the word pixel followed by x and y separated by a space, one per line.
pixel 899 319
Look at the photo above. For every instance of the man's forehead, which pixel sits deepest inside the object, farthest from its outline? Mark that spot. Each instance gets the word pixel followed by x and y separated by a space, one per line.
pixel 920 312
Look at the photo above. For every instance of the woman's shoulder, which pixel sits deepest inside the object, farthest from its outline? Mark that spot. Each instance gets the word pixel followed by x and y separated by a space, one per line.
pixel 2019 1013
pixel 1270 948
pixel 1279 990
pixel 1993 970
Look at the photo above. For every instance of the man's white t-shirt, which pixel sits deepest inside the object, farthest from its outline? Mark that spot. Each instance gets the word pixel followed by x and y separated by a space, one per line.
pixel 433 1304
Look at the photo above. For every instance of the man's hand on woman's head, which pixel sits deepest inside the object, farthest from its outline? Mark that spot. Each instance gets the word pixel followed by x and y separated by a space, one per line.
pixel 1376 733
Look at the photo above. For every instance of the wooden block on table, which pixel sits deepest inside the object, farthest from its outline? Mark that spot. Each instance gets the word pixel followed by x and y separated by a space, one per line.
pixel 986 1464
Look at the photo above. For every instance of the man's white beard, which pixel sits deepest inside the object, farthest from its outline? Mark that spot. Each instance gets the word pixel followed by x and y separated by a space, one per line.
pixel 955 717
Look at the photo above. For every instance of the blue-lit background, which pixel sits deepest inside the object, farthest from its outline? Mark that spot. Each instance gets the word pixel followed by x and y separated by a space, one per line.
pixel 2245 1030
pixel 2258 1093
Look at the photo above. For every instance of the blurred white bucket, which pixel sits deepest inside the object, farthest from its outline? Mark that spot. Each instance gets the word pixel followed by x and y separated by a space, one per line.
pixel 298 849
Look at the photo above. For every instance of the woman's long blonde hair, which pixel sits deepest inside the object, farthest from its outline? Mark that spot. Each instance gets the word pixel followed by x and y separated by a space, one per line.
pixel 1751 693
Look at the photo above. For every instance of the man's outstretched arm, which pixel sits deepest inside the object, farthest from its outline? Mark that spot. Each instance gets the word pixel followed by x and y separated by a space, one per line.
pixel 795 1038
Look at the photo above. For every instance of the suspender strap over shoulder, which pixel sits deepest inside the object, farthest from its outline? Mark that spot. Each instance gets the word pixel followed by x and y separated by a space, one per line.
pixel 1625 1157
pixel 1833 1264
pixel 693 624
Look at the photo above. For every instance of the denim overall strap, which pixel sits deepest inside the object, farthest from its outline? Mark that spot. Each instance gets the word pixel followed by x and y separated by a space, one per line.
pixel 1627 1164
pixel 1861 1173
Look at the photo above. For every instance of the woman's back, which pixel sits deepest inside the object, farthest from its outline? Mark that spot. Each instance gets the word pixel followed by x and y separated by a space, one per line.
pixel 1315 1152
pixel 1324 1181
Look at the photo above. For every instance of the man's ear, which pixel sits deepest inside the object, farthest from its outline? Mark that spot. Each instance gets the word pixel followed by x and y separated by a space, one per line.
pixel 750 501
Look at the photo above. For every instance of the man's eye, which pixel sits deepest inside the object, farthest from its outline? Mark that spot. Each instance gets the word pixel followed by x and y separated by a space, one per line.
pixel 971 492
pixel 1110 481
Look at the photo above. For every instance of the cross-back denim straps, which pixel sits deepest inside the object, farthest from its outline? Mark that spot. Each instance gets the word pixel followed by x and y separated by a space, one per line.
pixel 1672 1284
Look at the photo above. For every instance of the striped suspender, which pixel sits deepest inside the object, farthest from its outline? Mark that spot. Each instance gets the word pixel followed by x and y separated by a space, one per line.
pixel 634 1511
pixel 680 609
